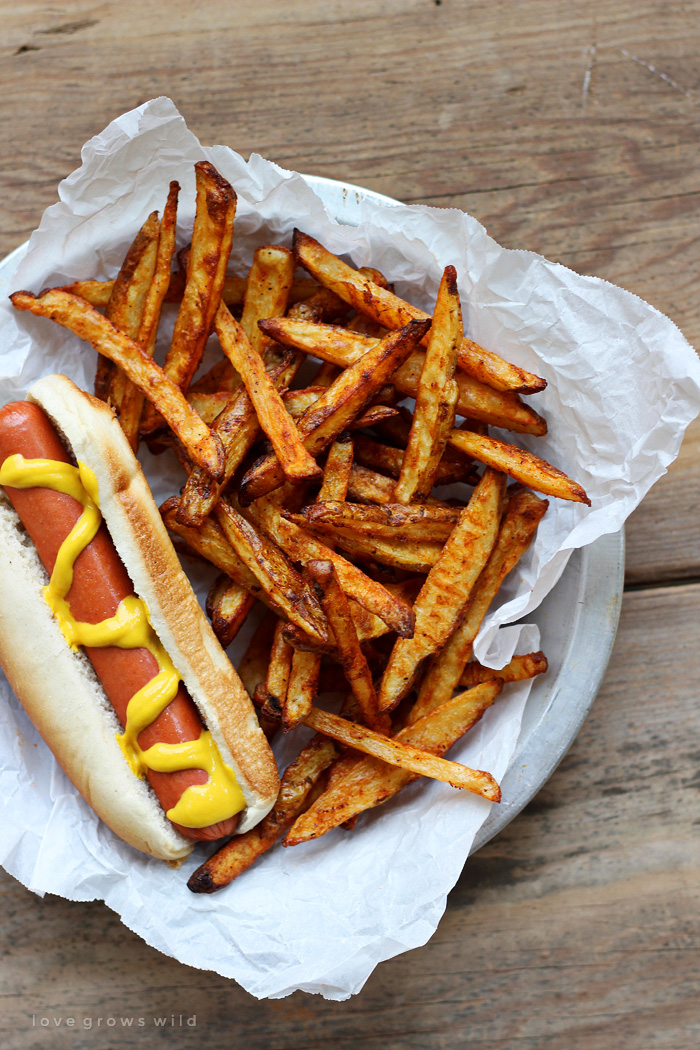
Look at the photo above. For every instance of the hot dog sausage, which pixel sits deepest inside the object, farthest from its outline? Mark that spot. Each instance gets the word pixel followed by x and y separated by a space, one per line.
pixel 100 583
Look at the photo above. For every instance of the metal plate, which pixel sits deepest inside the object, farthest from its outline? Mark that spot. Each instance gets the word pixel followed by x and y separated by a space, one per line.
pixel 577 620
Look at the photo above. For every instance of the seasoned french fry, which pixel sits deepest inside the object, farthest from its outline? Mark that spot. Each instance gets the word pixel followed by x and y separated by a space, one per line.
pixel 518 527
pixel 343 401
pixel 411 556
pixel 267 292
pixel 527 665
pixel 342 347
pixel 131 403
pixel 206 269
pixel 284 586
pixel 390 520
pixel 273 694
pixel 373 454
pixel 83 320
pixel 436 398
pixel 447 588
pixel 336 473
pixel 254 662
pixel 297 787
pixel 370 487
pixel 209 406
pixel 272 415
pixel 301 547
pixel 228 605
pixel 532 471
pixel 301 689
pixel 388 310
pixel 364 782
pixel 126 303
pixel 349 654
pixel 397 752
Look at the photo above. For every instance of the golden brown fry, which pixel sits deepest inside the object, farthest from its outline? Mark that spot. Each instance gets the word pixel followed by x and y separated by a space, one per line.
pixel 273 694
pixel 326 374
pixel 206 268
pixel 367 624
pixel 273 417
pixel 396 752
pixel 336 473
pixel 297 787
pixel 532 471
pixel 342 347
pixel 388 460
pixel 518 527
pixel 301 547
pixel 360 783
pixel 228 605
pixel 388 310
pixel 527 665
pixel 436 398
pixel 348 652
pixel 254 662
pixel 209 406
pixel 97 293
pixel 411 556
pixel 237 428
pixel 285 587
pixel 370 487
pixel 83 320
pixel 132 399
pixel 390 520
pixel 267 292
pixel 338 406
pixel 302 688
pixel 447 588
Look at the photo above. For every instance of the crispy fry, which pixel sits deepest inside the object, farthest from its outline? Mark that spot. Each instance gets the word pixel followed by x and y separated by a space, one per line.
pixel 273 417
pixel 367 624
pixel 397 752
pixel 132 399
pixel 273 694
pixel 297 787
pixel 285 587
pixel 343 401
pixel 267 292
pixel 301 547
pixel 237 428
pixel 209 406
pixel 447 588
pixel 342 347
pixel 97 293
pixel 370 487
pixel 411 556
pixel 520 520
pixel 388 460
pixel 336 473
pixel 302 688
pixel 228 605
pixel 436 398
pixel 364 782
pixel 79 317
pixel 254 662
pixel 388 310
pixel 206 269
pixel 126 303
pixel 391 520
pixel 532 471
pixel 527 665
pixel 349 654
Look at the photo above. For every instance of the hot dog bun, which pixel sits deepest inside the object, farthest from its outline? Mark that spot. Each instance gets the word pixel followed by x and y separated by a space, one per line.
pixel 59 689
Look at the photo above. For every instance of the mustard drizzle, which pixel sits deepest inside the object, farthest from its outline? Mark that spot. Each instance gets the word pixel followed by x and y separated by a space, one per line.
pixel 200 805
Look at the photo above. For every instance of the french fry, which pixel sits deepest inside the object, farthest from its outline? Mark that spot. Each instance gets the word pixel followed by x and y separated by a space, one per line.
pixel 272 695
pixel 206 269
pixel 530 470
pixel 518 527
pixel 227 606
pixel 254 662
pixel 342 402
pixel 336 473
pixel 126 303
pixel 301 547
pixel 83 320
pixel 398 752
pixel 131 403
pixel 364 782
pixel 388 310
pixel 390 520
pixel 273 417
pixel 447 588
pixel 527 665
pixel 388 460
pixel 368 486
pixel 436 398
pixel 348 652
pixel 286 589
pixel 297 787
pixel 301 689
pixel 410 556
pixel 342 347
pixel 209 406
pixel 237 428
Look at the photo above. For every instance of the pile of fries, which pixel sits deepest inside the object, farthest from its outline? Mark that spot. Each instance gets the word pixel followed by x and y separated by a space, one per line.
pixel 315 495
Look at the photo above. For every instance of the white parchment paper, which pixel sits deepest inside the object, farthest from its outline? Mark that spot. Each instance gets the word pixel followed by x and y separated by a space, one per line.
pixel 623 385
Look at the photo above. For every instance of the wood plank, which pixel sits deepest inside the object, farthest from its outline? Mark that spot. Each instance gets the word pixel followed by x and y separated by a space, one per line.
pixel 578 926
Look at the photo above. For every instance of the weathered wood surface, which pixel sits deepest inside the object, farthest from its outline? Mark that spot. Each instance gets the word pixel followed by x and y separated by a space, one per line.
pixel 566 128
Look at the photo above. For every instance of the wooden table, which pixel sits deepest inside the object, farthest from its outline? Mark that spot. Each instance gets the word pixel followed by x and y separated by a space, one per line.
pixel 567 128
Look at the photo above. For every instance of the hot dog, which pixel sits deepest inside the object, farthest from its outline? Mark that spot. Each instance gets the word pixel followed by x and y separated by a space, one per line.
pixel 240 773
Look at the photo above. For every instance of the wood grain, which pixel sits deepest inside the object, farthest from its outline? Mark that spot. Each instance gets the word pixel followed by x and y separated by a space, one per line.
pixel 566 128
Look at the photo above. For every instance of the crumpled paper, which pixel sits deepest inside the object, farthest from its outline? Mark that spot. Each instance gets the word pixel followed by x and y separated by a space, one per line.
pixel 623 385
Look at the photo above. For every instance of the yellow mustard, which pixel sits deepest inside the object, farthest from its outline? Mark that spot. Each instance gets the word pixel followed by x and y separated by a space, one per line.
pixel 200 805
